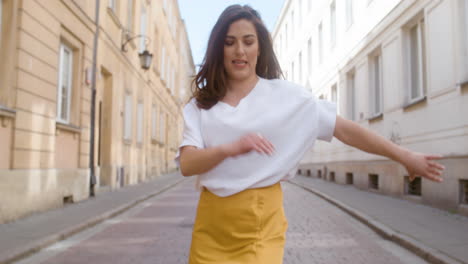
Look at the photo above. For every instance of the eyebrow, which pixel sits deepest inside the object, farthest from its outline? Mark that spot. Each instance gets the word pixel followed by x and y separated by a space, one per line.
pixel 246 36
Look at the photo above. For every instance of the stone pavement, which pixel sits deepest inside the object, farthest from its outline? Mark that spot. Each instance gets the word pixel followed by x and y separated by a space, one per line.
pixel 28 235
pixel 435 235
pixel 317 233
pixel 158 231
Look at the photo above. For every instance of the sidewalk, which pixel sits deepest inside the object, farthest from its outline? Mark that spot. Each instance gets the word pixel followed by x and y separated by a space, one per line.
pixel 433 234
pixel 29 235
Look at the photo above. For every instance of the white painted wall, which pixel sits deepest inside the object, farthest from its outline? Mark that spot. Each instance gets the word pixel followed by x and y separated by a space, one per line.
pixel 438 125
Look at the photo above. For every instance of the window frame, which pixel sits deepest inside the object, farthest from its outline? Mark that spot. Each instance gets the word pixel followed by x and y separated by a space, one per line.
pixel 130 15
pixel 300 67
pixel 140 120
pixel 163 62
pixel 64 47
pixel 320 42
pixel 376 93
pixel 128 112
pixel 143 29
pixel 162 127
pixel 154 120
pixel 419 23
pixel 310 53
pixel 466 29
pixel 1 20
pixel 333 24
pixel 349 13
pixel 351 95
pixel 112 5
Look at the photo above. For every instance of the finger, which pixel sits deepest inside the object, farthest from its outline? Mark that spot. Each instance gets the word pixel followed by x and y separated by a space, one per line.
pixel 268 144
pixel 435 172
pixel 434 178
pixel 436 165
pixel 259 149
pixel 434 157
pixel 264 147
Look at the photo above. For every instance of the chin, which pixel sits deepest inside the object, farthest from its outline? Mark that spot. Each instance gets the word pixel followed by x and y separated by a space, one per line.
pixel 239 76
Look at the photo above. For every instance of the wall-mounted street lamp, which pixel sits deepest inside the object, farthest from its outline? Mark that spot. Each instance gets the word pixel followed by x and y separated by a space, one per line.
pixel 145 56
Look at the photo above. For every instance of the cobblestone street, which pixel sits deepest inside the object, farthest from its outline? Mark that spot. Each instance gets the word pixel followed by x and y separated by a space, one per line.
pixel 159 231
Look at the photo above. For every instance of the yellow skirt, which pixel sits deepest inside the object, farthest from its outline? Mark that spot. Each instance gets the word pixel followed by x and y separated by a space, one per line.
pixel 247 227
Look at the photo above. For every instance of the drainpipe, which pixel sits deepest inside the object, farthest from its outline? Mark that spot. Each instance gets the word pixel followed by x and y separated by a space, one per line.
pixel 92 182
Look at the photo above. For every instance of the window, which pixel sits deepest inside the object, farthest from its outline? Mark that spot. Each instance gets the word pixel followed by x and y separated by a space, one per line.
pixel 320 39
pixel 293 76
pixel 286 39
pixel 351 96
pixel 416 61
pixel 140 123
pixel 112 5
pixel 64 89
pixel 309 51
pixel 293 28
pixel 376 84
pixel 334 94
pixel 143 22
pixel 374 181
pixel 165 5
pixel 300 66
pixel 167 77
pixel 332 24
pixel 1 18
pixel 349 178
pixel 128 117
pixel 162 128
pixel 463 192
pixel 413 187
pixel 349 13
pixel 154 120
pixel 299 22
pixel 466 26
pixel 130 10
pixel 163 55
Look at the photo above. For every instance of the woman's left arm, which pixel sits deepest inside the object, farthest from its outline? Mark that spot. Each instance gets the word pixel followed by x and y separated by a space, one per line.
pixel 417 164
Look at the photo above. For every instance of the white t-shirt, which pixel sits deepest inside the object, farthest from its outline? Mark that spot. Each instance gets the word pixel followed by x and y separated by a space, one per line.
pixel 284 113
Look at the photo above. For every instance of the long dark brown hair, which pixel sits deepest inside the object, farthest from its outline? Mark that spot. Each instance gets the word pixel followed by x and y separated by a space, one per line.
pixel 210 81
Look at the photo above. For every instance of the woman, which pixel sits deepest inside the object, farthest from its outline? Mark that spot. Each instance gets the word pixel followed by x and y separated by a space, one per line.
pixel 245 131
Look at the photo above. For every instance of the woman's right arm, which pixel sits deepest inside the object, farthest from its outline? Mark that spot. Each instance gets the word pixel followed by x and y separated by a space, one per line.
pixel 195 161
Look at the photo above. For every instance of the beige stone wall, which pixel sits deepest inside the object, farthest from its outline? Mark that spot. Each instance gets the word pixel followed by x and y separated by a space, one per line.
pixel 47 161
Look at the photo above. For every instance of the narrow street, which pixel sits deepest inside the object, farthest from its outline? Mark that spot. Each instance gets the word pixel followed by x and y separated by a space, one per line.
pixel 159 231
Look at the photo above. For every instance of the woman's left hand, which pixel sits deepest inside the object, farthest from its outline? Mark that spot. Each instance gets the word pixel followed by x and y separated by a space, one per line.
pixel 419 164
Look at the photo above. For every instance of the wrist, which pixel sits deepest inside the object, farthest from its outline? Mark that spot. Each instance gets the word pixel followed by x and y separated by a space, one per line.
pixel 403 156
pixel 225 150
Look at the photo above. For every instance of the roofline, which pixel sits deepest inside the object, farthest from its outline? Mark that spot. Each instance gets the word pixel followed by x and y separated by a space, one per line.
pixel 280 18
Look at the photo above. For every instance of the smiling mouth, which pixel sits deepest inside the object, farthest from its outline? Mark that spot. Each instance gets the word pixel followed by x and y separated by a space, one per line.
pixel 239 62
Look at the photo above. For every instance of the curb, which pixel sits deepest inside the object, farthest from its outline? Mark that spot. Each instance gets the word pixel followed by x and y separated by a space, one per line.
pixel 427 253
pixel 36 246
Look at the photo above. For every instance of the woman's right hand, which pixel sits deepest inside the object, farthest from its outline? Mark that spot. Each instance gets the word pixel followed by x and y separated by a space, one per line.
pixel 250 142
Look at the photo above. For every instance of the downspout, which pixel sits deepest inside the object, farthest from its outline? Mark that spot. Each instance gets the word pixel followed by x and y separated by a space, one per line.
pixel 92 181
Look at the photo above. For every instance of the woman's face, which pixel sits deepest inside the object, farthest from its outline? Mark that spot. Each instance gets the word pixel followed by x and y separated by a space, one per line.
pixel 241 50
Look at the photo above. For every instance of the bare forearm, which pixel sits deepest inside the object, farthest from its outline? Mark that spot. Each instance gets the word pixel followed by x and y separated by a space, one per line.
pixel 195 161
pixel 364 139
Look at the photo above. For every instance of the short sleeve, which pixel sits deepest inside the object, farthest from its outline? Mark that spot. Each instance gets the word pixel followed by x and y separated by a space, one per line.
pixel 326 120
pixel 192 130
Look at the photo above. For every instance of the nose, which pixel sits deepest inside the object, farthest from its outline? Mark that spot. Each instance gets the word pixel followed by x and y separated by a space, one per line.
pixel 240 49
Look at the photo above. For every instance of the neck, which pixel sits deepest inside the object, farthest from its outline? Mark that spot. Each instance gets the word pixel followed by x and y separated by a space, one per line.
pixel 240 88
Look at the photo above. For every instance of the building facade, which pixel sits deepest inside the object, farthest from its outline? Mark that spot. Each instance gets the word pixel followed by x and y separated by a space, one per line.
pixel 46 57
pixel 397 67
